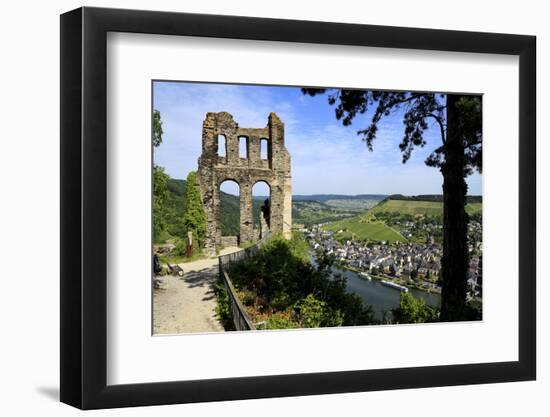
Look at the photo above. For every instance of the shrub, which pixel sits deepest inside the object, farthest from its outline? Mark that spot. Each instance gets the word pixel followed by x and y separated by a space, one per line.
pixel 223 307
pixel 281 320
pixel 283 279
pixel 311 311
pixel 413 310
pixel 181 248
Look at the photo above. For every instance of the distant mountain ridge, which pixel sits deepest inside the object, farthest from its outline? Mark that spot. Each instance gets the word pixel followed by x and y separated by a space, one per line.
pixel 431 197
pixel 306 209
pixel 178 186
pixel 326 197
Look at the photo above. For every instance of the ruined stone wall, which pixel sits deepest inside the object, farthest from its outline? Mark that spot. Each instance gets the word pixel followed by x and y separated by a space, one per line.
pixel 229 241
pixel 215 169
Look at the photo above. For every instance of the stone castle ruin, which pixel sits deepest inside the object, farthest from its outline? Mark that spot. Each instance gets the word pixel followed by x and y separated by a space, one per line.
pixel 274 170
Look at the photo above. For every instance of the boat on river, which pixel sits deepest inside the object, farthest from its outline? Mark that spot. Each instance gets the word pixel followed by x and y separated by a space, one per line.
pixel 394 285
pixel 365 275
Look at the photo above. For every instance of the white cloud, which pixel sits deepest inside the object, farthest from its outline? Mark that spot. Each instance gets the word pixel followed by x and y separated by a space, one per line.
pixel 326 157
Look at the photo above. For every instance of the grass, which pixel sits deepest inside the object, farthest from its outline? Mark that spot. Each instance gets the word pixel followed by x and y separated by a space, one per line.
pixel 473 208
pixel 358 228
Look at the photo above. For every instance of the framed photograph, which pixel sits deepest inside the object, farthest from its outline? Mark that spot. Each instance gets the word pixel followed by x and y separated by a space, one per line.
pixel 257 208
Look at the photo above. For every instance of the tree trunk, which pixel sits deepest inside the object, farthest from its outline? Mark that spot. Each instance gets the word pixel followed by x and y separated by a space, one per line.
pixel 454 263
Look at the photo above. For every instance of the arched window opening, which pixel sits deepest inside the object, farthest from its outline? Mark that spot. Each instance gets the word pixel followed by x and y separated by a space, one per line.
pixel 222 146
pixel 243 147
pixel 264 149
pixel 229 214
pixel 261 195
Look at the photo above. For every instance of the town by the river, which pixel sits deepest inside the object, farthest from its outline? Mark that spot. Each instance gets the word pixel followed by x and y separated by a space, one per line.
pixel 379 271
pixel 381 297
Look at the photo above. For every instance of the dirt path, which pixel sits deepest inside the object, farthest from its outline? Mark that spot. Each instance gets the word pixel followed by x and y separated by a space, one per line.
pixel 186 304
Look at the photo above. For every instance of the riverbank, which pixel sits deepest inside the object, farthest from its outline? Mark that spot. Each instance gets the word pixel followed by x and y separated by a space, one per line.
pixel 383 299
pixel 379 277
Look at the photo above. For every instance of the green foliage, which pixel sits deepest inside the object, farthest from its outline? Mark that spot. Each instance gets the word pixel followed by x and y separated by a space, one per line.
pixel 157 128
pixel 281 320
pixel 311 311
pixel 181 248
pixel 459 120
pixel 175 207
pixel 160 196
pixel 162 236
pixel 195 217
pixel 223 307
pixel 299 247
pixel 413 310
pixel 287 287
pixel 169 213
pixel 474 310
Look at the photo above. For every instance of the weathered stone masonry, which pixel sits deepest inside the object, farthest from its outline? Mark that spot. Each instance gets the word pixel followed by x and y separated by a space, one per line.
pixel 215 169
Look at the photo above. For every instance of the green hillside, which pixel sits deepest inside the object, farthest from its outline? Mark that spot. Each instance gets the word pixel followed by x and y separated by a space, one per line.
pixel 367 225
pixel 374 224
pixel 473 208
pixel 413 208
pixel 359 227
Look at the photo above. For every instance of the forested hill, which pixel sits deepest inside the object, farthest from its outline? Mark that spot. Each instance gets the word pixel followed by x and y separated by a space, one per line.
pixel 177 203
pixel 306 209
pixel 327 197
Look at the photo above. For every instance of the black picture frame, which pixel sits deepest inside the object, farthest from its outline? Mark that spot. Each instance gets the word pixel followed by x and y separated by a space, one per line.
pixel 84 207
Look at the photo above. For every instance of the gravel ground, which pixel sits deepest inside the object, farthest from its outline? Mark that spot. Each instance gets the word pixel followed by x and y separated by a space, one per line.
pixel 187 304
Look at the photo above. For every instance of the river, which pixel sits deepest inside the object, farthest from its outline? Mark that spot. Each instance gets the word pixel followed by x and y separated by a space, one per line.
pixel 379 296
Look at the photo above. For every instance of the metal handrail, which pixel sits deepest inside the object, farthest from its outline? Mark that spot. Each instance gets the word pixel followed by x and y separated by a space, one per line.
pixel 240 318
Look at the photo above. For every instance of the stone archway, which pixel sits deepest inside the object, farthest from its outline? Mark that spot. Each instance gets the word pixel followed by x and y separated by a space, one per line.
pixel 274 170
pixel 226 237
pixel 264 216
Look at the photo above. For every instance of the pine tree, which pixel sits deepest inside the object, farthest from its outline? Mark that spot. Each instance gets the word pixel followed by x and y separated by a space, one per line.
pixel 458 118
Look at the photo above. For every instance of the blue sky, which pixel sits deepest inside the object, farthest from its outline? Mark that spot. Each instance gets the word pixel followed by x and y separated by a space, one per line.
pixel 327 158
